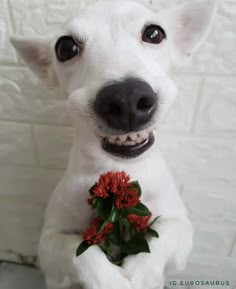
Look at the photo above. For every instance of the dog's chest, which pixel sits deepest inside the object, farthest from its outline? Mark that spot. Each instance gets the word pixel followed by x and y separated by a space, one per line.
pixel 73 193
pixel 76 199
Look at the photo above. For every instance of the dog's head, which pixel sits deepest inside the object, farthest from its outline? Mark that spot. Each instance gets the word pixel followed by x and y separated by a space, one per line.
pixel 113 62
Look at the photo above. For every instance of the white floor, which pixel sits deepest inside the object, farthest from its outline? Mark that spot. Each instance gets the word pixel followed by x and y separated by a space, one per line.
pixel 20 277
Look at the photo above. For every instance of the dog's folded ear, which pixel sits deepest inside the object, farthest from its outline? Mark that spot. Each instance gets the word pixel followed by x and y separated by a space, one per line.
pixel 190 24
pixel 37 54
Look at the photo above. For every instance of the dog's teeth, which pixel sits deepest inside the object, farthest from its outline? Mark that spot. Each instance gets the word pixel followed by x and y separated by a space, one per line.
pixel 139 140
pixel 133 136
pixel 112 140
pixel 119 142
pixel 123 138
pixel 144 134
pixel 131 139
pixel 129 143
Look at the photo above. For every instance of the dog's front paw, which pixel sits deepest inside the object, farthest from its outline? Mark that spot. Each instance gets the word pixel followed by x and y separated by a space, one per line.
pixel 144 273
pixel 108 278
pixel 114 280
pixel 94 271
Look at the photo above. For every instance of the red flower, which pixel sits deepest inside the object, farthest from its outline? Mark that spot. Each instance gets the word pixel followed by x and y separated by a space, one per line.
pixel 92 236
pixel 120 182
pixel 127 199
pixel 111 182
pixel 102 187
pixel 116 183
pixel 90 201
pixel 139 223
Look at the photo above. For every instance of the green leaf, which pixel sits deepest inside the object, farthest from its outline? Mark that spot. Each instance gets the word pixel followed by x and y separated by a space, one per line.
pixel 91 190
pixel 138 244
pixel 112 218
pixel 114 215
pixel 82 248
pixel 109 251
pixel 117 259
pixel 139 210
pixel 153 233
pixel 115 236
pixel 104 208
pixel 107 243
pixel 154 221
pixel 106 247
pixel 114 239
pixel 137 186
pixel 126 223
pixel 95 203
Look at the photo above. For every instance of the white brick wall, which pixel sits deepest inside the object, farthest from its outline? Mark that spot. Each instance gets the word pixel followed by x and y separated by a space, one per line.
pixel 198 138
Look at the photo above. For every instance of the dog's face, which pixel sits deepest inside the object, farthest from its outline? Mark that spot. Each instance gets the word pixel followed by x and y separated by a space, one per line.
pixel 113 62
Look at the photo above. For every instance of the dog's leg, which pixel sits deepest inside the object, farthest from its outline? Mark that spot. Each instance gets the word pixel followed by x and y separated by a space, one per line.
pixel 63 269
pixel 173 245
pixel 56 252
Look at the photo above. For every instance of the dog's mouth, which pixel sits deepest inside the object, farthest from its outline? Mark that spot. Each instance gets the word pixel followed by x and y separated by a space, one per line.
pixel 130 145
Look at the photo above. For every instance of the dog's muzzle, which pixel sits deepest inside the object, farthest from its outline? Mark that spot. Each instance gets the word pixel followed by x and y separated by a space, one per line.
pixel 127 107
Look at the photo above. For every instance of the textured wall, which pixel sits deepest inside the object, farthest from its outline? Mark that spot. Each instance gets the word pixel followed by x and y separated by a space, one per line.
pixel 198 138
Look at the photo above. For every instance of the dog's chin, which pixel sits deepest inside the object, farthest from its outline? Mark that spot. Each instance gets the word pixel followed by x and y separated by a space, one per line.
pixel 129 146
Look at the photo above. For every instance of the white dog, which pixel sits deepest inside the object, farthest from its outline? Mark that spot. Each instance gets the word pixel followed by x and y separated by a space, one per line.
pixel 113 63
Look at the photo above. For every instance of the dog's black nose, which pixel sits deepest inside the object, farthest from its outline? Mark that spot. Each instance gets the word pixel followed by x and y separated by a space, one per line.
pixel 126 105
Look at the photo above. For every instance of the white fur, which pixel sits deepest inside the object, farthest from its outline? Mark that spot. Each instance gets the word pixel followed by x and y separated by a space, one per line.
pixel 114 50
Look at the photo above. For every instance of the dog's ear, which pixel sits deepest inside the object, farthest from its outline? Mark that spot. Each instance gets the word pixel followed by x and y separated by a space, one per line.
pixel 190 24
pixel 37 54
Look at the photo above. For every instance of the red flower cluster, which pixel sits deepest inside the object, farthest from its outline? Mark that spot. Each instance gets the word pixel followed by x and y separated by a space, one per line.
pixel 117 183
pixel 121 227
pixel 92 236
pixel 127 199
pixel 140 223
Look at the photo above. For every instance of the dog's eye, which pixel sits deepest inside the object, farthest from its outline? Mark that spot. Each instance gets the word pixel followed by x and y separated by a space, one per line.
pixel 66 48
pixel 153 34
